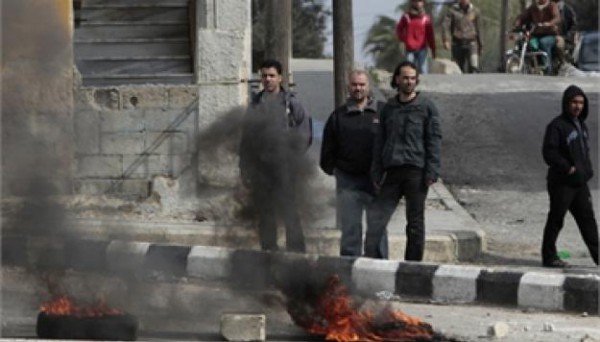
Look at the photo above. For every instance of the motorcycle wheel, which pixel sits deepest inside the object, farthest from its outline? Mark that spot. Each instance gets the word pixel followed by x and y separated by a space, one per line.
pixel 513 65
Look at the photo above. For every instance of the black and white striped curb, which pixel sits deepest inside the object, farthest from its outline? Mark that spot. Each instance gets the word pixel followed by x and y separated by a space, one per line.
pixel 261 270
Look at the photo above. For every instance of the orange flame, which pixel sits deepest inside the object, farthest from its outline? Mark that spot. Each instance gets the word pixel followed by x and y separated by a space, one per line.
pixel 64 306
pixel 338 320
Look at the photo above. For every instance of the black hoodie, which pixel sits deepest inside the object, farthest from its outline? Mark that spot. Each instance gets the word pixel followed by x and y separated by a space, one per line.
pixel 565 146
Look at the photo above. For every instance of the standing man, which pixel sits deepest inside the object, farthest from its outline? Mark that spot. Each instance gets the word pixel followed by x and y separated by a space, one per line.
pixel 461 33
pixel 566 151
pixel 545 15
pixel 565 40
pixel 276 133
pixel 346 153
pixel 415 31
pixel 406 161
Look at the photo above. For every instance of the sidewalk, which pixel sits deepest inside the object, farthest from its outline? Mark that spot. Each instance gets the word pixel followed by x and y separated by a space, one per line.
pixel 208 252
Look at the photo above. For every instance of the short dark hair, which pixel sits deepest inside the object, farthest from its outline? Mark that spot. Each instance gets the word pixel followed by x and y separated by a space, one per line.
pixel 271 63
pixel 397 72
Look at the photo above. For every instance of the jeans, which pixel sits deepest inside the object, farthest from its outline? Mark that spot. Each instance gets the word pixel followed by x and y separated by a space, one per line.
pixel 400 182
pixel 579 202
pixel 354 195
pixel 419 57
pixel 466 52
pixel 547 44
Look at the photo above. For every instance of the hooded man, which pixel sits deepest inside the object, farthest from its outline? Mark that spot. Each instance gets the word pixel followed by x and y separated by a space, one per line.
pixel 566 151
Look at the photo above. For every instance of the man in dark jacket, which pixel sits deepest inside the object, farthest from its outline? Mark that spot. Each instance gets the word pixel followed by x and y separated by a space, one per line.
pixel 346 152
pixel 566 151
pixel 565 40
pixel 276 133
pixel 406 161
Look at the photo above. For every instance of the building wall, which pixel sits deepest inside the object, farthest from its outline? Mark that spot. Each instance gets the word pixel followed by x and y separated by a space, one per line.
pixel 127 135
pixel 37 97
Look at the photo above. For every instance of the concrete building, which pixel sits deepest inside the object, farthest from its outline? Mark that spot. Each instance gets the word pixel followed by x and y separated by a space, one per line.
pixel 101 96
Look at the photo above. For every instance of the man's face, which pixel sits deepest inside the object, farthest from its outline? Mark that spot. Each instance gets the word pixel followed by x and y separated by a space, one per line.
pixel 271 79
pixel 576 105
pixel 418 4
pixel 358 87
pixel 407 80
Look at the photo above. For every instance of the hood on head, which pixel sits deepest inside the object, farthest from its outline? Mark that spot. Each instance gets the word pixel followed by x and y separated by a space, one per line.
pixel 568 94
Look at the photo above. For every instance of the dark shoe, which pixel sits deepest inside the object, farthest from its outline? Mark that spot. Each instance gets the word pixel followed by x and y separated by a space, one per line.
pixel 556 264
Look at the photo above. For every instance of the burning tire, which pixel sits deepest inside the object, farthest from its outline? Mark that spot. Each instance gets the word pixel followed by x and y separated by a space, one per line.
pixel 112 327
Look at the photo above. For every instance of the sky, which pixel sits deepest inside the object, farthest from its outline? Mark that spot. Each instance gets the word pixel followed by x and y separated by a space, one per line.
pixel 365 13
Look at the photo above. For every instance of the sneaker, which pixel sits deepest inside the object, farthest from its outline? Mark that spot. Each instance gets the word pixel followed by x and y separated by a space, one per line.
pixel 557 263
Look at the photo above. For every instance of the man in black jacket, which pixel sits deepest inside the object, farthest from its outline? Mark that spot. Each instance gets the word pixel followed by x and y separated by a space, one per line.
pixel 346 152
pixel 406 161
pixel 566 151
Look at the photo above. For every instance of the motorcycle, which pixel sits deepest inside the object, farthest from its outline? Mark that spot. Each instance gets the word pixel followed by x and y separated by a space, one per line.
pixel 525 57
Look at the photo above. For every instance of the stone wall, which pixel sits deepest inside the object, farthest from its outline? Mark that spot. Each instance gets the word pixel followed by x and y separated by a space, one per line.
pixel 127 135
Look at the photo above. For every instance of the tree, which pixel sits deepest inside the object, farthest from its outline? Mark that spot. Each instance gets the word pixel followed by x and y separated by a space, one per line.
pixel 381 43
pixel 309 22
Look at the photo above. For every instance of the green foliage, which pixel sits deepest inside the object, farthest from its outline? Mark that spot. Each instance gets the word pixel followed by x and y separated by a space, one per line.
pixel 381 43
pixel 309 22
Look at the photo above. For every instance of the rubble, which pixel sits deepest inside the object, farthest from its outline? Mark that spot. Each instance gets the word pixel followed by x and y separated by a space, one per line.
pixel 498 330
pixel 243 327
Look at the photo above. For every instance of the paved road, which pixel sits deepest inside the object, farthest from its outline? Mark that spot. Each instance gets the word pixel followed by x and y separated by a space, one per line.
pixel 188 309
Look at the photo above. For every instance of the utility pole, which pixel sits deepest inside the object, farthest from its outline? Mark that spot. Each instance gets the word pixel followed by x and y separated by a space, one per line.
pixel 503 25
pixel 343 48
pixel 279 34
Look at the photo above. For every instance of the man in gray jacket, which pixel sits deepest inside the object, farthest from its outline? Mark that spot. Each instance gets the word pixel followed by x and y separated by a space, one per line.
pixel 406 161
pixel 275 136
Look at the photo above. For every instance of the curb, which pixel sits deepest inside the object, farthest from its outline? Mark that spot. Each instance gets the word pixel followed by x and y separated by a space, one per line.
pixel 440 246
pixel 259 270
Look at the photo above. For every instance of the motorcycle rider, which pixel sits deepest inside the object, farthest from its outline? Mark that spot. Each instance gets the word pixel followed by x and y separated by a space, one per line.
pixel 545 16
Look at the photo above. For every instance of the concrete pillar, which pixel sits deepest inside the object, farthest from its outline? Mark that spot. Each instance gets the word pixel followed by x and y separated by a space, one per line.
pixel 37 97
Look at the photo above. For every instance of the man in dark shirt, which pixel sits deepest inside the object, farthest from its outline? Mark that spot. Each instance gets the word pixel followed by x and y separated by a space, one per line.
pixel 346 153
pixel 567 153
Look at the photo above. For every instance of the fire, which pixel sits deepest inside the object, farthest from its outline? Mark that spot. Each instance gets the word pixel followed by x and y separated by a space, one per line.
pixel 335 317
pixel 64 306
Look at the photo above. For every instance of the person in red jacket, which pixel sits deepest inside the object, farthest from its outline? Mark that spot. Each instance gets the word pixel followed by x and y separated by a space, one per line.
pixel 415 31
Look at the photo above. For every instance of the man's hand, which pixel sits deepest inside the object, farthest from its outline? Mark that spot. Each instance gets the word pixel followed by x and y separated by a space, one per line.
pixel 447 45
pixel 572 170
pixel 429 181
pixel 376 187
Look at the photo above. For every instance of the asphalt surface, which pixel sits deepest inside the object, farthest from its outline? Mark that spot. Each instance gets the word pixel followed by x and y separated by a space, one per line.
pixel 191 310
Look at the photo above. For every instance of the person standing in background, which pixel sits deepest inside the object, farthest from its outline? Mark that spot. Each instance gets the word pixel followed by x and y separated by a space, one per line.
pixel 415 31
pixel 461 33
